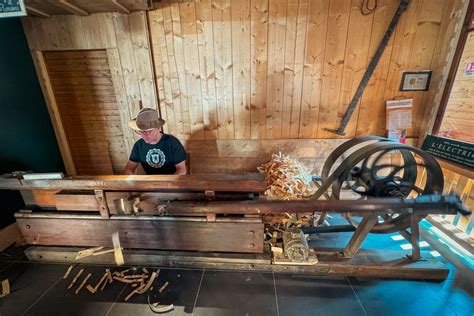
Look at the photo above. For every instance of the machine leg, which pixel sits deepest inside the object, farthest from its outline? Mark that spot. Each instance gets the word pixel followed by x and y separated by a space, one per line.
pixel 359 236
pixel 415 237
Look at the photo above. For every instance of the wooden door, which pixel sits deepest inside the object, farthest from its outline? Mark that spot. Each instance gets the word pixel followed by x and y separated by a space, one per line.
pixel 85 96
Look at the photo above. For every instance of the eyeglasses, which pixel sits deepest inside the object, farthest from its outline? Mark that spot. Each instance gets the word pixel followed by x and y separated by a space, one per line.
pixel 145 133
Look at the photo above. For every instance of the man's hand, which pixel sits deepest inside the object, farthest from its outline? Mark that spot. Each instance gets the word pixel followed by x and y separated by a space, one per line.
pixel 181 168
pixel 130 168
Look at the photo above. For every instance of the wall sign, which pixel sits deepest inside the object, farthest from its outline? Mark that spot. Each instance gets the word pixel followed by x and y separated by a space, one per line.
pixel 452 150
pixel 9 8
pixel 416 80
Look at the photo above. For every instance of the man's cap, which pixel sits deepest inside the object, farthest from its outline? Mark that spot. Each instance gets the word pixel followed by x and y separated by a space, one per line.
pixel 146 119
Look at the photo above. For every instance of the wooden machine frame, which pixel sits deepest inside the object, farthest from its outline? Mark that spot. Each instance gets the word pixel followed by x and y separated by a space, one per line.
pixel 222 227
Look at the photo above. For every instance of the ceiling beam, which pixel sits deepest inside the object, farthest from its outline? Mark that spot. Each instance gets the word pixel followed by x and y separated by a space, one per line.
pixel 120 7
pixel 71 7
pixel 36 12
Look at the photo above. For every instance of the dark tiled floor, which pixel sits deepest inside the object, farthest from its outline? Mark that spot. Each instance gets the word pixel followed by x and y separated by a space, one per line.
pixel 312 295
pixel 61 301
pixel 236 293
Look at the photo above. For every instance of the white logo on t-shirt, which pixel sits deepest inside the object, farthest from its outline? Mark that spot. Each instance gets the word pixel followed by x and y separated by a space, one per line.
pixel 155 158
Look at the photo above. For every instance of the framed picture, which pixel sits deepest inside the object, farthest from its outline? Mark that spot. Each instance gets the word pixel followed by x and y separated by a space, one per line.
pixel 416 80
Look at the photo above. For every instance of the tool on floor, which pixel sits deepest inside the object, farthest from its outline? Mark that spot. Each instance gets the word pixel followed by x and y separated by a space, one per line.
pixel 370 69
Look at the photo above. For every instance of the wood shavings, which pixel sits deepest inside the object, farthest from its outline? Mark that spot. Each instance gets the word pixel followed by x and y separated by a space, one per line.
pixel 163 287
pixel 159 309
pixel 277 249
pixel 87 252
pixel 142 290
pixel 130 295
pixel 5 288
pixel 109 275
pixel 117 249
pixel 67 272
pixel 83 283
pixel 91 289
pixel 126 280
pixel 75 278
pixel 287 179
pixel 104 277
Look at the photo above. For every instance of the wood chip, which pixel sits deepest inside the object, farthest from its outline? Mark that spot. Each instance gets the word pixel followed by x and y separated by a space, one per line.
pixel 135 276
pixel 68 272
pixel 104 278
pixel 163 287
pixel 160 309
pixel 130 295
pixel 145 288
pixel 91 289
pixel 87 252
pixel 277 249
pixel 83 283
pixel 75 278
pixel 109 275
pixel 117 249
pixel 5 288
pixel 127 280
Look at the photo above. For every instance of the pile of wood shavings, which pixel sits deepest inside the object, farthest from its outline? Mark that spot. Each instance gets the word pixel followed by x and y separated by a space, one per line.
pixel 287 179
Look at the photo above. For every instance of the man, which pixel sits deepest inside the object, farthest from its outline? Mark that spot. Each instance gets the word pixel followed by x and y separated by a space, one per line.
pixel 158 153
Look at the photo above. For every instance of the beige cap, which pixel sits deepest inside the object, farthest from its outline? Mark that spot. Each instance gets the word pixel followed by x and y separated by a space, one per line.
pixel 146 119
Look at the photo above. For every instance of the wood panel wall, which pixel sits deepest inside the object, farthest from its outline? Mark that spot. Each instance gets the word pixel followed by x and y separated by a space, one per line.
pixel 283 69
pixel 125 40
pixel 259 73
pixel 458 120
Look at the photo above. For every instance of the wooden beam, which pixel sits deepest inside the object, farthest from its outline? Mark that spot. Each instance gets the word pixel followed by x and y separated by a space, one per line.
pixel 53 110
pixel 369 263
pixel 152 233
pixel 9 235
pixel 120 7
pixel 74 9
pixel 214 182
pixel 36 12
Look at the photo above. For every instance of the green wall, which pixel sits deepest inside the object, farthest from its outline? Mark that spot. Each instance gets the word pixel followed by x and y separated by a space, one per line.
pixel 27 140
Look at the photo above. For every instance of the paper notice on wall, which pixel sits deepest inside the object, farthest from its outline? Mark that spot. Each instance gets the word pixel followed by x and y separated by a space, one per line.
pixel 399 114
pixel 469 70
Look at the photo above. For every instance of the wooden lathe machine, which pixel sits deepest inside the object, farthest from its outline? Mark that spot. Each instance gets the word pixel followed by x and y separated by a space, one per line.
pixel 225 221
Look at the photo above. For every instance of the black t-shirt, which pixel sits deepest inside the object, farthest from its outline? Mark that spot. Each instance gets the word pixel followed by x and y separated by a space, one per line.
pixel 159 158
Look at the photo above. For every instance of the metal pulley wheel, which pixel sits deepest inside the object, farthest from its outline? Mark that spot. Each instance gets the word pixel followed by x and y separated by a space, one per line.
pixel 373 166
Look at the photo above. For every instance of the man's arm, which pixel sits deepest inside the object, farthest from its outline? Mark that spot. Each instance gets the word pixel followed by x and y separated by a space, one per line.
pixel 130 168
pixel 181 168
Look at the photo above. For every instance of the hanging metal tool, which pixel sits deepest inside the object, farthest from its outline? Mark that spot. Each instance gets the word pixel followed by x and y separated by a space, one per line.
pixel 371 68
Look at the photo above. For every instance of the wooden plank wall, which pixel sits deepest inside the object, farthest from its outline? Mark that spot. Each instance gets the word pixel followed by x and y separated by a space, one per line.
pixel 283 69
pixel 232 74
pixel 125 40
pixel 458 118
